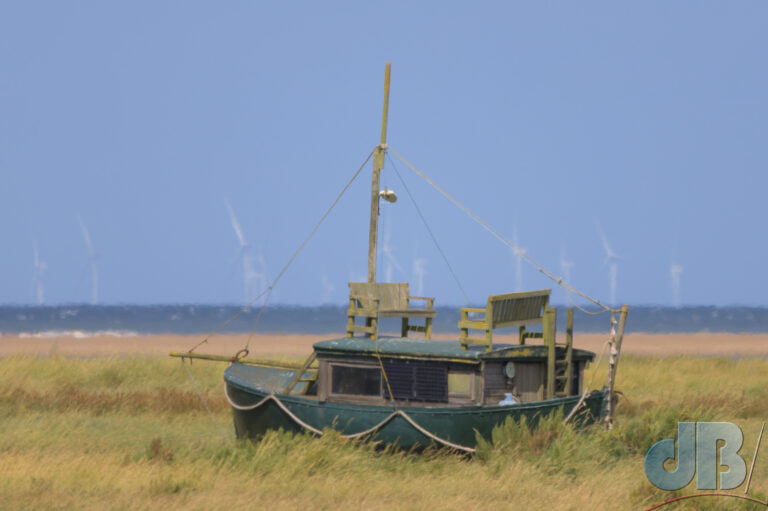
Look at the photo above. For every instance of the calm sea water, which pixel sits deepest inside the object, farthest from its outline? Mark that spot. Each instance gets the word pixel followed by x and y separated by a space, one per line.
pixel 195 319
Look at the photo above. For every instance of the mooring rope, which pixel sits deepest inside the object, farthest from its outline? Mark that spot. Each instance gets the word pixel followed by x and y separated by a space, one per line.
pixel 525 255
pixel 351 436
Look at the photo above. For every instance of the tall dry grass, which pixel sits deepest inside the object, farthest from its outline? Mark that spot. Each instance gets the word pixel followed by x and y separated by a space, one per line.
pixel 130 433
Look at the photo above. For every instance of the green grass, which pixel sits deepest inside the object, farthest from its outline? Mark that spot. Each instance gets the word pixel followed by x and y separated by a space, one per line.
pixel 131 433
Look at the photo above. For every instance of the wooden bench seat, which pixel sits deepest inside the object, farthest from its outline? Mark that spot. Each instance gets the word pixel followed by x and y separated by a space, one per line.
pixel 386 300
pixel 502 311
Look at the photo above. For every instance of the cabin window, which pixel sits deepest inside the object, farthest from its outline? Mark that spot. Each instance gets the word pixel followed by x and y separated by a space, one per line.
pixel 460 384
pixel 417 381
pixel 355 380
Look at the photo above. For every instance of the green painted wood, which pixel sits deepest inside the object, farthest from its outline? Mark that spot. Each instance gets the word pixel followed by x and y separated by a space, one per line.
pixel 441 350
pixel 455 423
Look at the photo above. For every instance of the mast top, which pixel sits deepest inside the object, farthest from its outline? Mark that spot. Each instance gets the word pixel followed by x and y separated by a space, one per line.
pixel 378 164
pixel 385 111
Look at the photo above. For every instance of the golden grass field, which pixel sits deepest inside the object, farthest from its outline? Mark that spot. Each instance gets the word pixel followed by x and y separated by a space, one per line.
pixel 113 423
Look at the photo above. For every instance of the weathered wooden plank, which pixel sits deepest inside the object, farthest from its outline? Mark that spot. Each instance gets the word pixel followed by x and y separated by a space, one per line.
pixel 477 325
pixel 369 313
pixel 378 164
pixel 362 329
pixel 474 340
pixel 550 317
pixel 247 361
pixel 300 375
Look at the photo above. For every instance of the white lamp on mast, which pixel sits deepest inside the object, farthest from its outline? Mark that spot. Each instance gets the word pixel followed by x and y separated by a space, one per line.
pixel 388 195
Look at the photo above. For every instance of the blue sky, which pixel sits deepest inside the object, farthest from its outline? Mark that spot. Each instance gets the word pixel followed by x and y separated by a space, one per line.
pixel 559 119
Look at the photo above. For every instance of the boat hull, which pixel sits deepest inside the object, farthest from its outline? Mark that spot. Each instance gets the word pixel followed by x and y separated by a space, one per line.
pixel 257 410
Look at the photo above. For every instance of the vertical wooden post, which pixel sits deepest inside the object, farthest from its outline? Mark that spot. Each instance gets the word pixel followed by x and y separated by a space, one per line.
pixel 522 335
pixel 613 362
pixel 549 327
pixel 489 326
pixel 378 164
pixel 620 333
pixel 569 390
pixel 351 317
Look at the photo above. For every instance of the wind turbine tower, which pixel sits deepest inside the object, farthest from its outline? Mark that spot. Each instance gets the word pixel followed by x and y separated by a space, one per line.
pixel 612 261
pixel 92 258
pixel 40 268
pixel 388 252
pixel 419 270
pixel 519 254
pixel 566 266
pixel 328 288
pixel 674 273
pixel 253 281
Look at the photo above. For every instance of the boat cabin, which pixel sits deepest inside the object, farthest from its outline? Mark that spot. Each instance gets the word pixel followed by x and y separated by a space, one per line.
pixel 424 373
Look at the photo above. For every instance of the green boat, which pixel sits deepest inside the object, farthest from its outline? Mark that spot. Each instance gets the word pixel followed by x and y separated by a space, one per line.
pixel 441 393
pixel 419 391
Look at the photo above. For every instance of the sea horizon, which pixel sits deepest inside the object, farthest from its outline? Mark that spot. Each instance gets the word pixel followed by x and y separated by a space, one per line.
pixel 183 319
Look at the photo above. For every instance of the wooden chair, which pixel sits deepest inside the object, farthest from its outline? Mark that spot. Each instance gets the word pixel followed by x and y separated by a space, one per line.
pixel 386 300
pixel 508 310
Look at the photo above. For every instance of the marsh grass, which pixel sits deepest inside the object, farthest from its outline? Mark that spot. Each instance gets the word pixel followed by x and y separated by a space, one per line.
pixel 130 433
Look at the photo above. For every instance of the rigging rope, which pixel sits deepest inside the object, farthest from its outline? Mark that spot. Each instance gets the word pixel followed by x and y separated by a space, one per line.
pixel 527 257
pixel 303 244
pixel 383 372
pixel 431 234
pixel 268 292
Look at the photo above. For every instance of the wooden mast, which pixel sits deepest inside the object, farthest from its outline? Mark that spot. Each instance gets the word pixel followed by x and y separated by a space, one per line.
pixel 378 164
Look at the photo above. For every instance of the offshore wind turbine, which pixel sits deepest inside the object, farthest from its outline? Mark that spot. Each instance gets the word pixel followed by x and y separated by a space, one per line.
pixel 565 266
pixel 674 273
pixel 328 288
pixel 419 271
pixel 92 258
pixel 253 280
pixel 519 254
pixel 611 260
pixel 388 252
pixel 40 268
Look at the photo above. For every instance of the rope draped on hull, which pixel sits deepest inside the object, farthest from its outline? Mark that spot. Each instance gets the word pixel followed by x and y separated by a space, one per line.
pixel 352 436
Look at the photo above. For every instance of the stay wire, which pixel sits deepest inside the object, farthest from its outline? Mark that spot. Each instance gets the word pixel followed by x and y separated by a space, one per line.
pixel 527 257
pixel 429 230
pixel 301 247
pixel 267 292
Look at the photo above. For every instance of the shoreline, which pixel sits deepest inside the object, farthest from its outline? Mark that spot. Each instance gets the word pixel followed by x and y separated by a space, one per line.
pixel 300 345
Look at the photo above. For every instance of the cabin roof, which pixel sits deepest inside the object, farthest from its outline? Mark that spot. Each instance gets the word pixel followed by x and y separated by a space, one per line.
pixel 417 348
